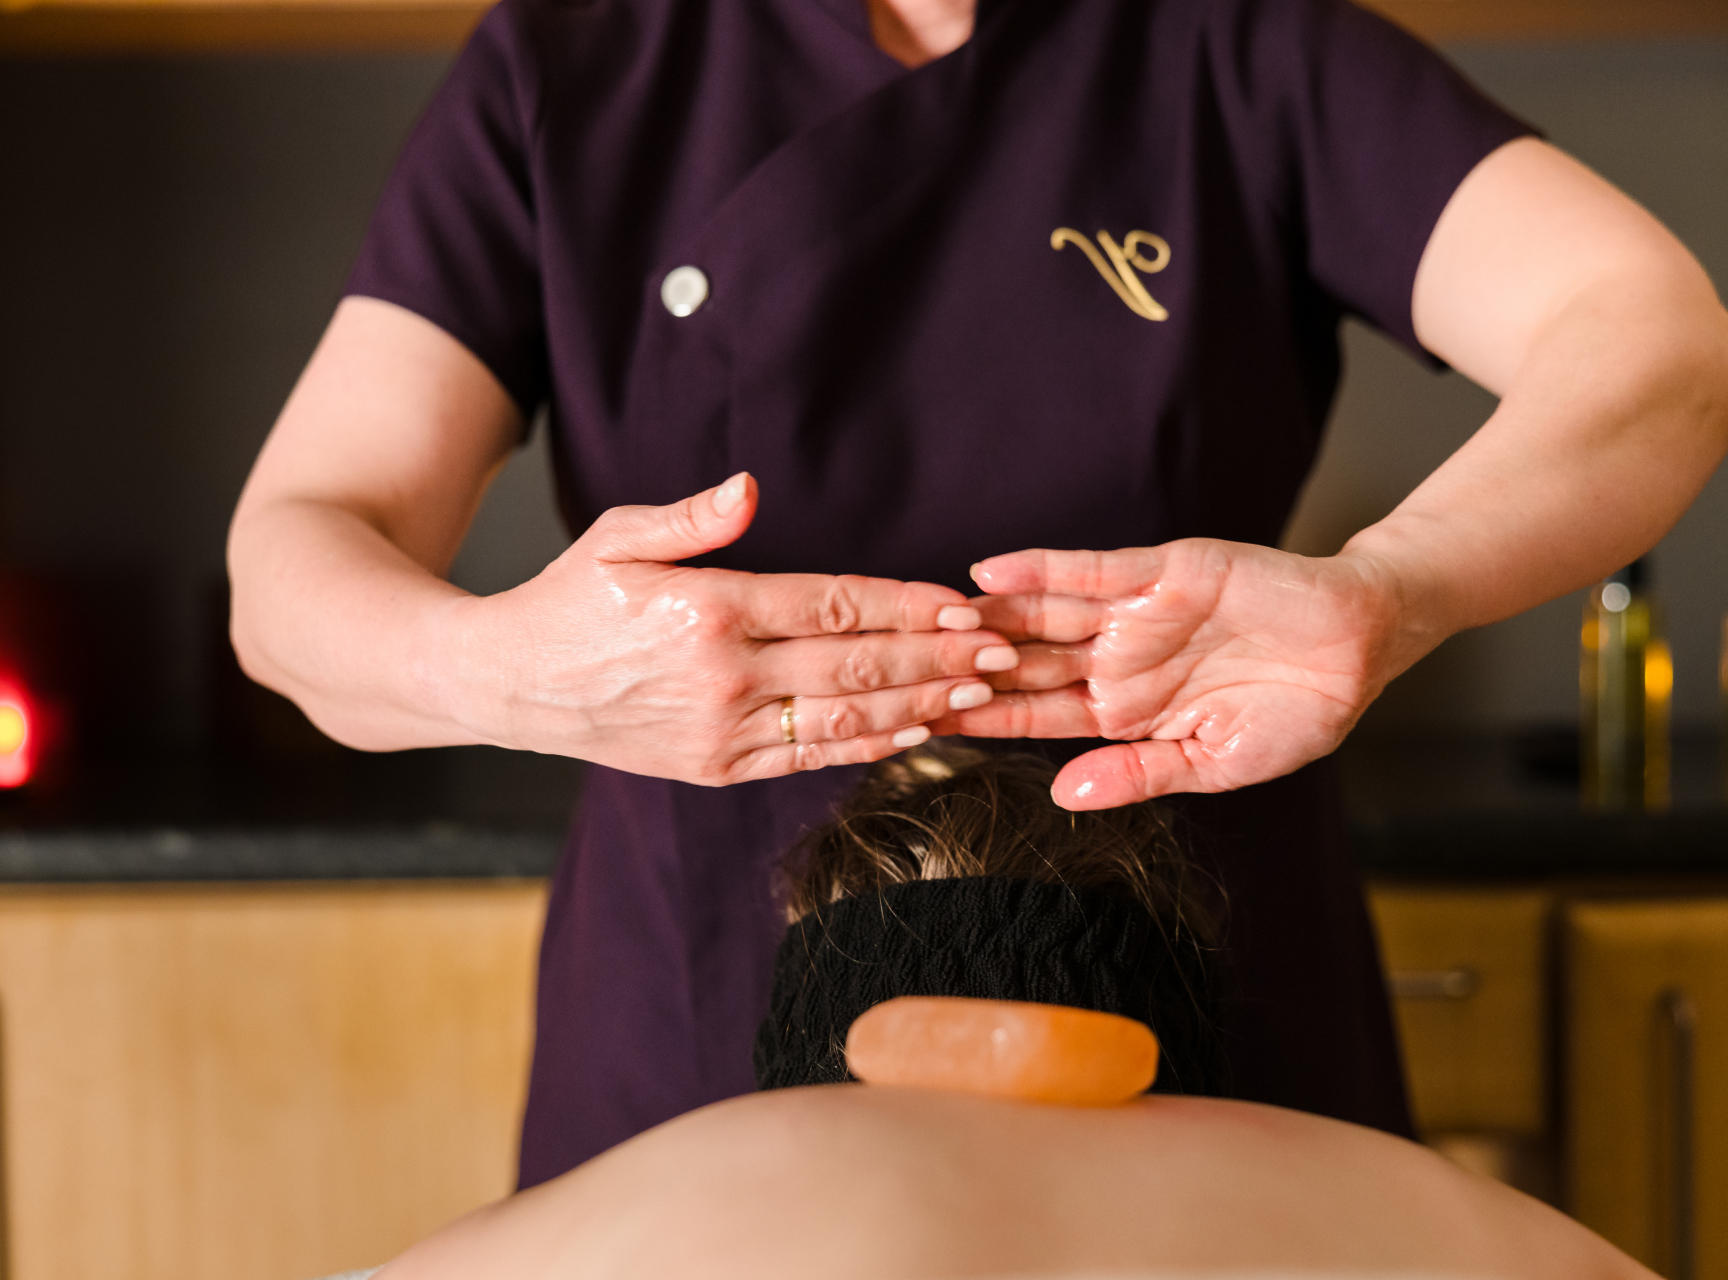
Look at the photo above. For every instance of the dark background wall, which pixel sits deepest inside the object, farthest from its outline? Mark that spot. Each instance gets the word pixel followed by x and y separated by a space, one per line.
pixel 174 233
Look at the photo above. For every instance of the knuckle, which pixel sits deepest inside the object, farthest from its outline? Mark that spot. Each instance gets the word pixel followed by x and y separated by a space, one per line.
pixel 610 529
pixel 1044 613
pixel 713 629
pixel 862 670
pixel 600 530
pixel 956 653
pixel 844 720
pixel 625 514
pixel 874 749
pixel 837 610
pixel 684 520
pixel 913 607
pixel 712 773
pixel 1098 571
pixel 726 688
pixel 706 611
pixel 1135 769
pixel 931 702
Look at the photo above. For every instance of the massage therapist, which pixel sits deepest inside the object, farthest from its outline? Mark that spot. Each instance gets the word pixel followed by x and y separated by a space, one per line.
pixel 835 307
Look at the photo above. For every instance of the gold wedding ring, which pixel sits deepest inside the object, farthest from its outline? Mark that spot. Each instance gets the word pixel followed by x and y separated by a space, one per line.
pixel 788 721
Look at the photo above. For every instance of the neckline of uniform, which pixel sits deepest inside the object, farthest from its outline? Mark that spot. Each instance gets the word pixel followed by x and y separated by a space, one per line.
pixel 854 17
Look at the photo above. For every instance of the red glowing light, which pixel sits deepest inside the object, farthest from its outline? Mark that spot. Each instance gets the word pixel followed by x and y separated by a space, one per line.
pixel 17 739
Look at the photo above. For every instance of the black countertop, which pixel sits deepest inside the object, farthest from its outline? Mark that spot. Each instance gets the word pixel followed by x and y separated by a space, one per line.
pixel 431 851
pixel 1506 807
pixel 1460 809
pixel 467 812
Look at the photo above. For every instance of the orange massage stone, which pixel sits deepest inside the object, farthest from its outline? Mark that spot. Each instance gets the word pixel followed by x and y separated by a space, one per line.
pixel 1004 1049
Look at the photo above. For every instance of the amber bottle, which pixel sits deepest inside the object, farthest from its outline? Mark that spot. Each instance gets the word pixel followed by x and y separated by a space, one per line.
pixel 1625 683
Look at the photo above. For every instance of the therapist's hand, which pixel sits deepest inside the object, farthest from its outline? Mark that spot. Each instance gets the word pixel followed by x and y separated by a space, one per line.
pixel 1217 664
pixel 616 654
pixel 340 553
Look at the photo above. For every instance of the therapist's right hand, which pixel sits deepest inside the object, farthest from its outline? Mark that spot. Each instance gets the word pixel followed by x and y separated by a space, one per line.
pixel 340 552
pixel 617 654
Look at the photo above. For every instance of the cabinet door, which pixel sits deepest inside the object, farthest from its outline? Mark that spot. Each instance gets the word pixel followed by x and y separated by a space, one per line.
pixel 1468 973
pixel 1647 1079
pixel 272 1082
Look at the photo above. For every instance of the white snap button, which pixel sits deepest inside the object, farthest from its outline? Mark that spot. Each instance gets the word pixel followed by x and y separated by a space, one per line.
pixel 684 290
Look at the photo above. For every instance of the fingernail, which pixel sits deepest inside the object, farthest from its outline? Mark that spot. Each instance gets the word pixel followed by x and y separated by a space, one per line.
pixel 972 573
pixel 729 495
pixel 959 617
pixel 998 657
pixel 911 737
pixel 967 696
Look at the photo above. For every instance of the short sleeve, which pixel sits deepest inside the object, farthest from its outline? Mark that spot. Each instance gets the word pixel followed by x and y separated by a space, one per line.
pixel 1377 131
pixel 454 237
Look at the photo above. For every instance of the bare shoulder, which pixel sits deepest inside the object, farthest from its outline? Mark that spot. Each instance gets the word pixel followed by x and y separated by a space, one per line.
pixel 1410 1205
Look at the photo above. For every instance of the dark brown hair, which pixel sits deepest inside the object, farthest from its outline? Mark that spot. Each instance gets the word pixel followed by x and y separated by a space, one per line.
pixel 945 811
pixel 1099 910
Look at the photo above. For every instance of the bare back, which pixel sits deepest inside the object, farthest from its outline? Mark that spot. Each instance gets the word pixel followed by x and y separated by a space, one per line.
pixel 852 1181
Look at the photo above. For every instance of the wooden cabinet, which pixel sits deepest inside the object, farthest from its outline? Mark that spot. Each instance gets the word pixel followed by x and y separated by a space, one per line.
pixel 1622 1004
pixel 272 1082
pixel 1646 1017
pixel 1469 977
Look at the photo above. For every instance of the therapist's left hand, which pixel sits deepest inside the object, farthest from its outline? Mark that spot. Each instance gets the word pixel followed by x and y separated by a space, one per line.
pixel 1216 664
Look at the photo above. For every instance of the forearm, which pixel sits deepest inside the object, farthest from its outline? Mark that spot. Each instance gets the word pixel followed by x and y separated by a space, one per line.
pixel 354 509
pixel 1609 428
pixel 330 613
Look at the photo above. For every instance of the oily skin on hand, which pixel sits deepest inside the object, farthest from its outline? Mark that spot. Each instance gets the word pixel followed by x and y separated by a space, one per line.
pixel 614 653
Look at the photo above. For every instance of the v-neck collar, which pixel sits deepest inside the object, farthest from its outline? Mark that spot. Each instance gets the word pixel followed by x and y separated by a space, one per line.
pixel 854 17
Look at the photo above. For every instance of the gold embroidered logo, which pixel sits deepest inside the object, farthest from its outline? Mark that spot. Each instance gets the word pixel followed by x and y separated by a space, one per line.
pixel 1118 270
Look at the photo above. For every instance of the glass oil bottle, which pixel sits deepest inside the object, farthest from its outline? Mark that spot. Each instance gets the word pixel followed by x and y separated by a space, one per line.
pixel 1625 683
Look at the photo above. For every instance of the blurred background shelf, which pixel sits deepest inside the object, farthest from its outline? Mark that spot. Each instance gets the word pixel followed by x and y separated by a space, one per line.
pixel 71 26
pixel 299 26
pixel 1555 19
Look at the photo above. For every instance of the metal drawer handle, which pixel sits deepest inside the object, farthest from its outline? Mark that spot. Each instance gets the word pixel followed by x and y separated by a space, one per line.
pixel 1682 1018
pixel 1433 984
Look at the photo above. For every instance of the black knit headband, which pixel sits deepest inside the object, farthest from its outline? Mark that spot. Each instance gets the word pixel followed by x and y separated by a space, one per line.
pixel 989 938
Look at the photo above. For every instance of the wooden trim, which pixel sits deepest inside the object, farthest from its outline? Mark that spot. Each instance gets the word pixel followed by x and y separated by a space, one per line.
pixel 55 27
pixel 312 26
pixel 1556 19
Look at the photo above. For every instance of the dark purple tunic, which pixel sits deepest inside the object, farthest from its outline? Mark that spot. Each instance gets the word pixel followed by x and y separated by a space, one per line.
pixel 918 380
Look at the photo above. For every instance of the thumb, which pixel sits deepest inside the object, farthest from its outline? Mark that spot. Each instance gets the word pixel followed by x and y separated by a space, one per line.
pixel 1125 773
pixel 713 518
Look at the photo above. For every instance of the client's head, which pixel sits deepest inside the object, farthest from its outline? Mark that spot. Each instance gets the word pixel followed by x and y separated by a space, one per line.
pixel 952 873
